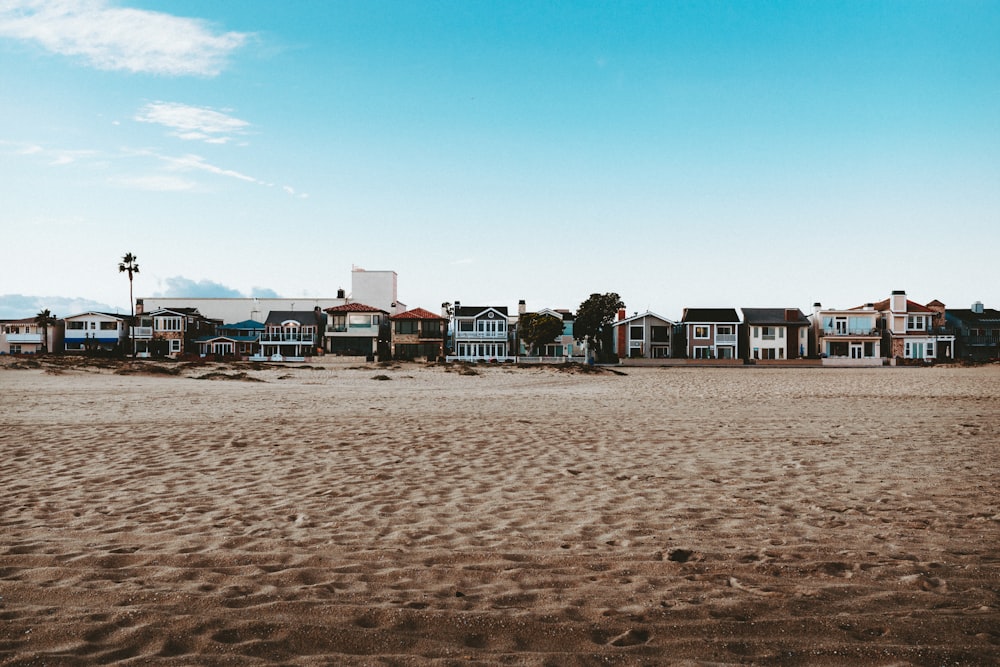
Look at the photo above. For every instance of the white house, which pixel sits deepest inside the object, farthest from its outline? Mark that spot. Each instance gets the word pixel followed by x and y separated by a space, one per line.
pixel 775 333
pixel 480 333
pixel 93 331
pixel 848 337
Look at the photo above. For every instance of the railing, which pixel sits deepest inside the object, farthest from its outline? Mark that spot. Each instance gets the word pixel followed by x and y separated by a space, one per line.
pixel 725 338
pixel 480 335
pixel 25 338
pixel 981 340
pixel 430 334
pixel 851 332
pixel 142 332
pixel 282 337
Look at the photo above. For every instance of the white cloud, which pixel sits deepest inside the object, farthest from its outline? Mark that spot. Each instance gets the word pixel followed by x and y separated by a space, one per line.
pixel 118 38
pixel 197 163
pixel 193 123
pixel 159 183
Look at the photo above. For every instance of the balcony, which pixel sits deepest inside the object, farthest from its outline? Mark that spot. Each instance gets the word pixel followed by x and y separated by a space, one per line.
pixel 141 332
pixel 434 335
pixel 725 339
pixel 25 338
pixel 829 333
pixel 481 335
pixel 286 337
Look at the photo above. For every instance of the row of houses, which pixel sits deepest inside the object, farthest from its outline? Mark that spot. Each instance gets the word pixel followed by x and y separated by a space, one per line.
pixel 890 329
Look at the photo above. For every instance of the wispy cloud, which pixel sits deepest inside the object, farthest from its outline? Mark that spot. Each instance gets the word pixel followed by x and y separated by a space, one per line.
pixel 157 183
pixel 193 123
pixel 192 162
pixel 120 38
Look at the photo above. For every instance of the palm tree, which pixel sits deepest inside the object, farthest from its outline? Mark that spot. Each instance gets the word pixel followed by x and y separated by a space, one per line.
pixel 45 319
pixel 129 264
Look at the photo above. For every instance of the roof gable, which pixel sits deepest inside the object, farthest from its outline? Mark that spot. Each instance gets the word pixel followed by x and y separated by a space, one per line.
pixel 480 311
pixel 642 316
pixel 418 314
pixel 355 308
pixel 773 316
pixel 710 315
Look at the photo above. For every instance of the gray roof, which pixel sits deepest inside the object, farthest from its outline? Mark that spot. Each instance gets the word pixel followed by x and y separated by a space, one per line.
pixel 774 316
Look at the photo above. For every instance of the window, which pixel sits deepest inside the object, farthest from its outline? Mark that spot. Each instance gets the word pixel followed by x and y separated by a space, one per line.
pixel 466 325
pixel 109 326
pixel 725 330
pixel 406 326
pixel 702 353
pixel 76 326
pixel 175 345
pixel 355 321
pixel 767 333
pixel 168 323
pixel 15 349
pixel 635 333
pixel 916 323
pixel 700 332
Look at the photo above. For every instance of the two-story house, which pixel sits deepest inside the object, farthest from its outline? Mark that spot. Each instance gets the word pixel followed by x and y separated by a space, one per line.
pixel 241 339
pixel 977 331
pixel 95 332
pixel 169 332
pixel 27 336
pixel 711 333
pixel 418 334
pixel 357 329
pixel 646 335
pixel 848 337
pixel 914 331
pixel 291 335
pixel 562 346
pixel 480 333
pixel 774 333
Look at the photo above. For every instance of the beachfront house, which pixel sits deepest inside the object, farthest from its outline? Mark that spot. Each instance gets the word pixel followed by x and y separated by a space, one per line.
pixel 241 339
pixel 977 331
pixel 774 333
pixel 711 333
pixel 849 337
pixel 291 335
pixel 479 333
pixel 169 332
pixel 563 346
pixel 418 334
pixel 646 335
pixel 915 331
pixel 27 336
pixel 95 331
pixel 357 329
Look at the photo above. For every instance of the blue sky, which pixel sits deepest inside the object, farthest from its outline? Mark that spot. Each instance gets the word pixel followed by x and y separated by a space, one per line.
pixel 679 153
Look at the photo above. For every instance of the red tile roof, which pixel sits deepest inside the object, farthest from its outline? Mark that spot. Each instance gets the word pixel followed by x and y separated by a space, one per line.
pixel 417 314
pixel 354 308
pixel 911 306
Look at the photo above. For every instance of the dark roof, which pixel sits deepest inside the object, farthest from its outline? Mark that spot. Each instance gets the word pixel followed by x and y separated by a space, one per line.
pixel 245 324
pixel 355 308
pixel 418 314
pixel 773 316
pixel 969 315
pixel 180 311
pixel 710 315
pixel 305 317
pixel 472 311
pixel 642 316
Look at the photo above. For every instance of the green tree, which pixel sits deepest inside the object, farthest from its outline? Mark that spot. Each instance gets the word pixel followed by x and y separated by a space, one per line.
pixel 45 319
pixel 537 329
pixel 130 265
pixel 593 322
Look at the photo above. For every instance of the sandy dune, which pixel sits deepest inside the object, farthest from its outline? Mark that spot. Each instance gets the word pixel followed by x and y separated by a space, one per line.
pixel 512 516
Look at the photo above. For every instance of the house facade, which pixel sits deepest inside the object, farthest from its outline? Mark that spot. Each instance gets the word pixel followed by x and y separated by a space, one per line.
pixel 774 333
pixel 563 345
pixel 357 329
pixel 418 334
pixel 291 335
pixel 711 333
pixel 646 336
pixel 480 333
pixel 915 331
pixel 241 339
pixel 26 336
pixel 848 337
pixel 95 332
pixel 169 332
pixel 977 332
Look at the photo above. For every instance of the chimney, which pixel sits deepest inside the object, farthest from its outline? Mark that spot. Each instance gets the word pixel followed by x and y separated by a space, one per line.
pixel 977 308
pixel 898 302
pixel 817 307
pixel 621 314
pixel 521 307
pixel 340 293
pixel 791 315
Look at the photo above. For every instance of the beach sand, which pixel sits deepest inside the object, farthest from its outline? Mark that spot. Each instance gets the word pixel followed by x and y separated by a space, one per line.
pixel 229 514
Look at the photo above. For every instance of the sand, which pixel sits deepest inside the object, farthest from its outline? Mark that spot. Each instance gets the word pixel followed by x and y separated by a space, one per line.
pixel 408 515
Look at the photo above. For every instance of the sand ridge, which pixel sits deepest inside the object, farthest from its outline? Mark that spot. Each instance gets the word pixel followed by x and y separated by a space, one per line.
pixel 247 514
